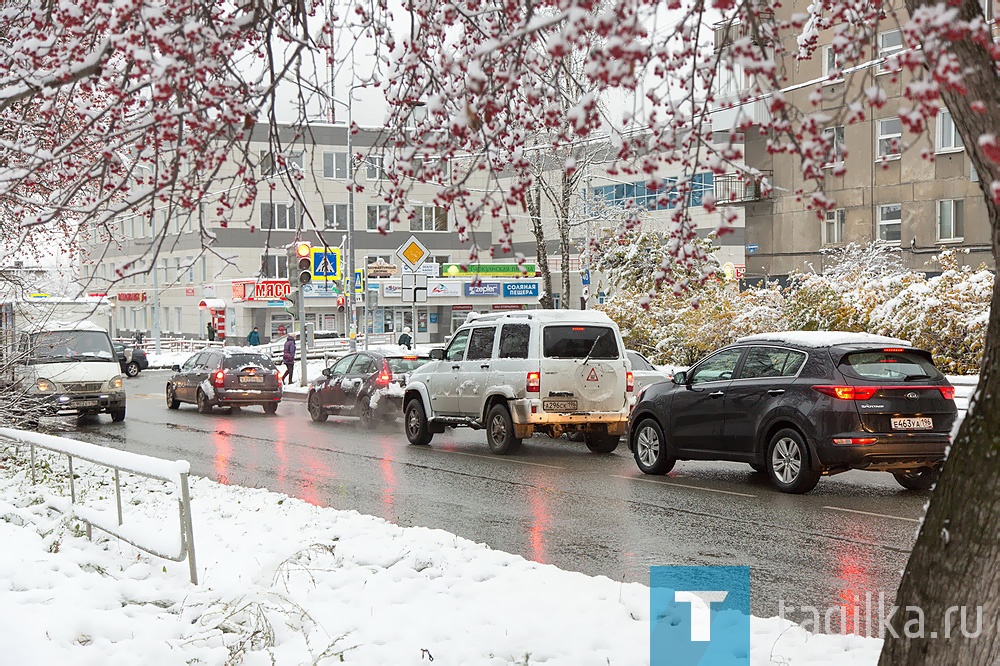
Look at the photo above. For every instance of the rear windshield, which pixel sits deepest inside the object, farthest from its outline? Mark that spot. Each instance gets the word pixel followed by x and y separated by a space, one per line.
pixel 881 365
pixel 236 361
pixel 579 342
pixel 404 365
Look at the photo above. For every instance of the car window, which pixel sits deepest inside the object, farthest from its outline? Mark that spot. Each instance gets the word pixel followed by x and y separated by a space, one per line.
pixel 234 361
pixel 514 341
pixel 456 350
pixel 579 342
pixel 341 366
pixel 889 365
pixel 481 343
pixel 363 365
pixel 191 362
pixel 639 362
pixel 406 363
pixel 771 362
pixel 210 360
pixel 717 367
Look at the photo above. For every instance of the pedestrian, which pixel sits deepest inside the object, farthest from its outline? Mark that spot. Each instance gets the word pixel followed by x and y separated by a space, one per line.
pixel 405 339
pixel 254 338
pixel 211 332
pixel 288 357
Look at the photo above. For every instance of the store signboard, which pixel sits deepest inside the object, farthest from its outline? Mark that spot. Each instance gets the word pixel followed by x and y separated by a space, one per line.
pixel 260 290
pixel 499 270
pixel 444 289
pixel 520 289
pixel 482 288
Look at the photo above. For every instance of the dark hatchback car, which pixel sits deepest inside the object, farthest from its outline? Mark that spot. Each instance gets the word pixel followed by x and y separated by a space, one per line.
pixel 801 405
pixel 367 384
pixel 229 377
pixel 131 359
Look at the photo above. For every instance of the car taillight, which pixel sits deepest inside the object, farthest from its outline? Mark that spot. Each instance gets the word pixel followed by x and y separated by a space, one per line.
pixel 218 378
pixel 629 381
pixel 385 376
pixel 947 392
pixel 853 441
pixel 848 392
pixel 533 385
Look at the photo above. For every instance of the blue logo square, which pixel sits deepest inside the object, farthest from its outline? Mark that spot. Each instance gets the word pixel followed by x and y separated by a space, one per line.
pixel 699 616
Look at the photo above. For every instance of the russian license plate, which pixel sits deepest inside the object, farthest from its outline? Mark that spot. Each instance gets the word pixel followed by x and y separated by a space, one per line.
pixel 251 380
pixel 560 405
pixel 912 423
pixel 86 403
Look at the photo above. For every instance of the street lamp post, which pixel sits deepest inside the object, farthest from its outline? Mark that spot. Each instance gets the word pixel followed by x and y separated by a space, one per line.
pixel 349 259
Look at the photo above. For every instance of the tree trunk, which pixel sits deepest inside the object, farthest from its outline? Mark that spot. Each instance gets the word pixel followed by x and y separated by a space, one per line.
pixel 565 194
pixel 955 564
pixel 534 198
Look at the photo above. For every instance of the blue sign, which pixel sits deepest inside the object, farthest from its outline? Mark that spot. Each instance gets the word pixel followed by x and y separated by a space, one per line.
pixel 482 289
pixel 520 290
pixel 434 317
pixel 359 282
pixel 699 616
pixel 585 276
pixel 752 247
pixel 320 290
pixel 326 265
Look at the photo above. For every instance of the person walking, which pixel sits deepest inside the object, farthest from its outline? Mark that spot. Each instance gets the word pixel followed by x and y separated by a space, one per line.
pixel 405 339
pixel 254 338
pixel 211 332
pixel 288 357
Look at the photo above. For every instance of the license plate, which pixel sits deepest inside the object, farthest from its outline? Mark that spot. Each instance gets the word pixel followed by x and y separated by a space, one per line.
pixel 86 403
pixel 912 423
pixel 550 405
pixel 251 380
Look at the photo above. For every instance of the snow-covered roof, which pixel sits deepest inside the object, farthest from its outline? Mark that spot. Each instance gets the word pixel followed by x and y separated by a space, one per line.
pixel 546 316
pixel 824 338
pixel 52 326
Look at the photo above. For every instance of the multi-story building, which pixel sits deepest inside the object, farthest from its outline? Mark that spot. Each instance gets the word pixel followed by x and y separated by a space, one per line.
pixel 888 189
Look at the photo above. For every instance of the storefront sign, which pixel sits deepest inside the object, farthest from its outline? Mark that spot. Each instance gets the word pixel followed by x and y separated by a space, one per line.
pixel 440 289
pixel 428 268
pixel 504 270
pixel 461 308
pixel 482 289
pixel 131 296
pixel 507 306
pixel 523 289
pixel 392 290
pixel 381 269
pixel 320 290
pixel 189 291
pixel 261 290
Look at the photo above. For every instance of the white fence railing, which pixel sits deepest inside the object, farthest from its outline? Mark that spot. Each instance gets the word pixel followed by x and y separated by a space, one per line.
pixel 147 539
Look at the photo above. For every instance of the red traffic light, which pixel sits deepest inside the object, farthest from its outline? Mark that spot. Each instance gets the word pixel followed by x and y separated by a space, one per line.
pixel 341 302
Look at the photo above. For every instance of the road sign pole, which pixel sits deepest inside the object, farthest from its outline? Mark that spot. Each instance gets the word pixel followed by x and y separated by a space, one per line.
pixel 302 338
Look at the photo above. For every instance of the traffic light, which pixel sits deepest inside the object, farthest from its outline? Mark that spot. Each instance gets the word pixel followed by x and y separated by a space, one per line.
pixel 292 302
pixel 341 303
pixel 300 262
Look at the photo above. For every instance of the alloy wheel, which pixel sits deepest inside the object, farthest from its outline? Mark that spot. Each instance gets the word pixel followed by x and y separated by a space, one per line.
pixel 647 446
pixel 786 460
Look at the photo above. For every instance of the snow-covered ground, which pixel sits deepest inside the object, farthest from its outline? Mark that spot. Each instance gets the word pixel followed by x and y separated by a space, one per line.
pixel 286 582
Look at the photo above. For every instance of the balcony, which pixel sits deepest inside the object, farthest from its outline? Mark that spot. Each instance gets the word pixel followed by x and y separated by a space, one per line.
pixel 728 32
pixel 737 188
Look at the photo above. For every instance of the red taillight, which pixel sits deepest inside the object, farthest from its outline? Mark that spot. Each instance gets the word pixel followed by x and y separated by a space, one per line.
pixel 218 378
pixel 629 381
pixel 533 384
pixel 385 376
pixel 853 441
pixel 947 392
pixel 848 392
pixel 893 349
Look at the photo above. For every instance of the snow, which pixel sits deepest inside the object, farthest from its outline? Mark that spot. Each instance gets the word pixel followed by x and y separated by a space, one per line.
pixel 287 582
pixel 823 338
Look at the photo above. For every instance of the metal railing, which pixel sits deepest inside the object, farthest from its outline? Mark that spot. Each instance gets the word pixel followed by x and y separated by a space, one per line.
pixel 733 188
pixel 175 472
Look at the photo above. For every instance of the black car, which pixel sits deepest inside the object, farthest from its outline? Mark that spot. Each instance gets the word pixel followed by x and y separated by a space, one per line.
pixel 131 359
pixel 366 384
pixel 801 405
pixel 230 377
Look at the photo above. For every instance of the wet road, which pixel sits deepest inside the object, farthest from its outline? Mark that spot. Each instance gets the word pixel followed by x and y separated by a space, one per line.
pixel 554 502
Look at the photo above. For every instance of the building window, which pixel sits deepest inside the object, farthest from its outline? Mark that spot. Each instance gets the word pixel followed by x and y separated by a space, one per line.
pixel 833 226
pixel 277 216
pixel 831 64
pixel 275 266
pixel 890 218
pixel 889 45
pixel 950 219
pixel 378 215
pixel 270 166
pixel 375 167
pixel 335 216
pixel 889 140
pixel 335 165
pixel 948 138
pixel 429 218
pixel 835 135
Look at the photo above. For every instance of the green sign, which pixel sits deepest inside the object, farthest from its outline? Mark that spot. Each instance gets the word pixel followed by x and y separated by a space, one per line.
pixel 500 270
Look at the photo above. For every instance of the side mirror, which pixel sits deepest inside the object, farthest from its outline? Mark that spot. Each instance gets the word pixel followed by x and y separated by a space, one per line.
pixel 680 378
pixel 327 372
pixel 175 368
pixel 437 354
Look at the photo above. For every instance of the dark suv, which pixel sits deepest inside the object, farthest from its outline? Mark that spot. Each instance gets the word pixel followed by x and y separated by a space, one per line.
pixel 801 405
pixel 231 377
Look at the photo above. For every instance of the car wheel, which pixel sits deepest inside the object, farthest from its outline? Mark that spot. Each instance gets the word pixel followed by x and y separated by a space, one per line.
pixel 788 463
pixel 118 415
pixel 918 479
pixel 365 412
pixel 500 432
pixel 651 453
pixel 132 369
pixel 602 443
pixel 316 411
pixel 270 407
pixel 204 406
pixel 417 432
pixel 172 401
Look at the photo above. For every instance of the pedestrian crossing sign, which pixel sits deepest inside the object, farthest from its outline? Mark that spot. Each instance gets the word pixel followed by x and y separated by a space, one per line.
pixel 325 263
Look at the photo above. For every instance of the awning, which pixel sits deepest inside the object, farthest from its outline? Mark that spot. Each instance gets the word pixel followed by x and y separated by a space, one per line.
pixel 212 304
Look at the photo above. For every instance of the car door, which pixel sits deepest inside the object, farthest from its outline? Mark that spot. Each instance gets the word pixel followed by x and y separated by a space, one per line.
pixel 475 371
pixel 510 367
pixel 763 379
pixel 360 372
pixel 208 362
pixel 442 386
pixel 332 395
pixel 696 411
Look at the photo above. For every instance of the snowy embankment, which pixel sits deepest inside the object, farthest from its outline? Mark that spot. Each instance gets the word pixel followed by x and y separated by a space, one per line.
pixel 286 582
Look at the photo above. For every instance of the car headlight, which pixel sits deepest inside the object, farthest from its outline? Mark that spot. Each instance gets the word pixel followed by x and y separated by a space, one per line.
pixel 116 383
pixel 45 386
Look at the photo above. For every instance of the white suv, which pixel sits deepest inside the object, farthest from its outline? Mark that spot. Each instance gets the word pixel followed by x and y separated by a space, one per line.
pixel 515 374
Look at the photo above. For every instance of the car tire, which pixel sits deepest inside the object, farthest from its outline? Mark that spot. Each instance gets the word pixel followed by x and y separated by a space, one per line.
pixel 651 455
pixel 918 479
pixel 602 443
pixel 788 463
pixel 415 423
pixel 204 405
pixel 270 407
pixel 172 401
pixel 365 412
pixel 316 411
pixel 118 415
pixel 500 432
pixel 132 369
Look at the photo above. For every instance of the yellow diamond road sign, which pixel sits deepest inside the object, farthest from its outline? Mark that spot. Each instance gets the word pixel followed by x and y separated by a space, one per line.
pixel 413 253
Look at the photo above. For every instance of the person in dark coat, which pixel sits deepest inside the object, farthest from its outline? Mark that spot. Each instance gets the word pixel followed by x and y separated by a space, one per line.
pixel 288 357
pixel 211 332
pixel 254 338
pixel 405 339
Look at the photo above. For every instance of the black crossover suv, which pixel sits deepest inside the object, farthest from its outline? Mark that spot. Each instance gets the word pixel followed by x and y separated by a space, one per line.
pixel 801 405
